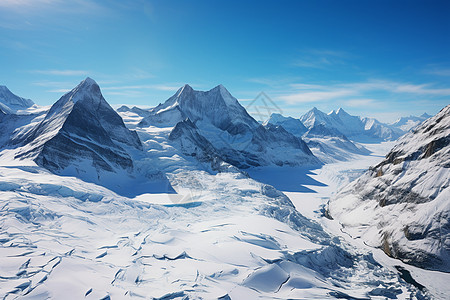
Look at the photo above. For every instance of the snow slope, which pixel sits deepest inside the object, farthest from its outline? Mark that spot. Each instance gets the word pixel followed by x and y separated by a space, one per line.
pixel 219 235
pixel 401 204
pixel 240 239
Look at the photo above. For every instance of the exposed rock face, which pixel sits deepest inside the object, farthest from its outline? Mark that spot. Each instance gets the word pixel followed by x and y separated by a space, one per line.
pixel 221 121
pixel 81 135
pixel 404 200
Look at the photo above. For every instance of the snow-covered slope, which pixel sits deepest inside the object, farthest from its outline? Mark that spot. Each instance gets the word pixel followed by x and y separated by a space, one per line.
pixel 407 123
pixel 81 135
pixel 353 127
pixel 223 235
pixel 330 145
pixel 11 103
pixel 62 238
pixel 239 139
pixel 402 204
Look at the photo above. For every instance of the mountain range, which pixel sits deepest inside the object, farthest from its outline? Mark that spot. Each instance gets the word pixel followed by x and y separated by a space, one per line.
pixel 160 202
pixel 235 136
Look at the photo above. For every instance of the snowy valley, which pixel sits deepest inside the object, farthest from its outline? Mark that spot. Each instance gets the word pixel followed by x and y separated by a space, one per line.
pixel 195 199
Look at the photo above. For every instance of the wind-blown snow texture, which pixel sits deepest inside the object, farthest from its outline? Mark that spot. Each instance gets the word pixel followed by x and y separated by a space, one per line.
pixel 402 204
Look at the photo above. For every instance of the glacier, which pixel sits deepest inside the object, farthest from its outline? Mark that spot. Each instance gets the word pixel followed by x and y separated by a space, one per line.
pixel 199 220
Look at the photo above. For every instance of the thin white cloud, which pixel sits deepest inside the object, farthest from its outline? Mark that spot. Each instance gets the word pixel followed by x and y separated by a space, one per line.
pixel 53 84
pixel 398 87
pixel 355 93
pixel 61 72
pixel 26 3
pixel 438 71
pixel 59 91
pixel 160 87
pixel 320 58
pixel 360 102
pixel 316 96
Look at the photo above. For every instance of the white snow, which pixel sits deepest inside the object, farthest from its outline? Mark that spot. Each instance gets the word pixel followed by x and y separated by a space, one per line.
pixel 209 236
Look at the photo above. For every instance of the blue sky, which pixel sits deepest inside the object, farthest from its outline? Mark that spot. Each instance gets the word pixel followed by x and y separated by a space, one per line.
pixel 373 58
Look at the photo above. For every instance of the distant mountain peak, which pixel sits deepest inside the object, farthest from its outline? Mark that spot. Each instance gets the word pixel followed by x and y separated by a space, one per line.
pixel 88 81
pixel 11 103
pixel 341 111
pixel 186 87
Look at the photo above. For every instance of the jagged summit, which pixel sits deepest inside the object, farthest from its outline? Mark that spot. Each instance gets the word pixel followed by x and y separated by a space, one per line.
pixel 216 105
pixel 220 119
pixel 86 90
pixel 341 112
pixel 357 128
pixel 81 135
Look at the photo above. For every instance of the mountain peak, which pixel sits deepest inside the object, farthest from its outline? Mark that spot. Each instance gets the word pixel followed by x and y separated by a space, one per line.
pixel 10 103
pixel 89 81
pixel 314 111
pixel 184 89
pixel 221 88
pixel 87 89
pixel 341 111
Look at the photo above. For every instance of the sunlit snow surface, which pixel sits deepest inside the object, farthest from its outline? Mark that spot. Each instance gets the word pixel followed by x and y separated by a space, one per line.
pixel 223 236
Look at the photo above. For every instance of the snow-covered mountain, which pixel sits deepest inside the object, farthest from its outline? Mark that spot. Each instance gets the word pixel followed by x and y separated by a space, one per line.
pixel 407 123
pixel 222 235
pixel 326 142
pixel 402 204
pixel 330 145
pixel 292 125
pixel 11 103
pixel 353 127
pixel 82 136
pixel 238 138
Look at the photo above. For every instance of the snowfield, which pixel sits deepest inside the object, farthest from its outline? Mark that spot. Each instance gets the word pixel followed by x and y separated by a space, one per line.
pixel 230 238
pixel 182 223
pixel 63 238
